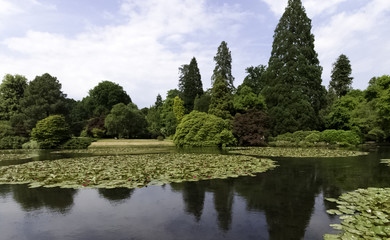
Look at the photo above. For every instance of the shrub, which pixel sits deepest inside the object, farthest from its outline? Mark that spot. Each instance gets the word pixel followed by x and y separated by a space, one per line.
pixel 160 138
pixel 98 133
pixel 375 134
pixel 78 143
pixel 251 128
pixel 313 137
pixel 12 142
pixel 6 129
pixel 51 132
pixel 199 129
pixel 31 145
pixel 340 137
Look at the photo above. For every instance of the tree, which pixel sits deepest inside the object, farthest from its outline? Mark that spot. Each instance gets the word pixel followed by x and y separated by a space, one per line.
pixel 11 92
pixel 190 84
pixel 341 79
pixel 199 129
pixel 255 78
pixel 223 65
pixel 221 99
pixel 159 101
pixel 246 99
pixel 104 96
pixel 43 97
pixel 293 91
pixel 202 103
pixel 178 109
pixel 251 128
pixel 125 121
pixel 51 132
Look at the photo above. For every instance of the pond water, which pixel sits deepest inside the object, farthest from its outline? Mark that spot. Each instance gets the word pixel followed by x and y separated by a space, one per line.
pixel 284 203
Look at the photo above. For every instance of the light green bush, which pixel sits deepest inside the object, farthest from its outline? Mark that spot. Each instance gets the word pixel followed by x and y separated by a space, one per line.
pixel 31 145
pixel 51 132
pixel 199 129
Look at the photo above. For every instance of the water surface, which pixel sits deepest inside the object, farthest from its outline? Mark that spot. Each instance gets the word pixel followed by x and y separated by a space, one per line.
pixel 284 203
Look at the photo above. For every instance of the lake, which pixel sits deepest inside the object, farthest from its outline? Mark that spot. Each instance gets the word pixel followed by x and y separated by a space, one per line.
pixel 284 203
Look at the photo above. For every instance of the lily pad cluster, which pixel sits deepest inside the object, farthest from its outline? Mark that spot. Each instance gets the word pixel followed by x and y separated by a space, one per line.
pixel 132 171
pixel 15 155
pixel 387 161
pixel 118 150
pixel 365 214
pixel 295 152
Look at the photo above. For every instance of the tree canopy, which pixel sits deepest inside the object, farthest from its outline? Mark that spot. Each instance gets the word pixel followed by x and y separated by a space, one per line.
pixel 223 65
pixel 190 84
pixel 341 79
pixel 11 92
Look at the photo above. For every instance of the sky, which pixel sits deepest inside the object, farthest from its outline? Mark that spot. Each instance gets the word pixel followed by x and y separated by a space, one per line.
pixel 140 44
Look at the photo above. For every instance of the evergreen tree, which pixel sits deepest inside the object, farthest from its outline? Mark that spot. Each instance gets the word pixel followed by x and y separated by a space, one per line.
pixel 293 91
pixel 159 101
pixel 221 99
pixel 223 65
pixel 190 84
pixel 255 78
pixel 341 79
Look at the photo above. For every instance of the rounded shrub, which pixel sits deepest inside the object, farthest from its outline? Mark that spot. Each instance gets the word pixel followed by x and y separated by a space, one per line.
pixel 199 129
pixel 78 143
pixel 51 132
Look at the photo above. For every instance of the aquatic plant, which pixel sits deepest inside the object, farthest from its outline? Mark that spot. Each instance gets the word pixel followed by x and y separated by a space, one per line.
pixel 16 154
pixel 295 152
pixel 132 171
pixel 365 214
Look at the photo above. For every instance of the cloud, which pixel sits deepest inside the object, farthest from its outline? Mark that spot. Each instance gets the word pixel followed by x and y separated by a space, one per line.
pixel 142 53
pixel 361 35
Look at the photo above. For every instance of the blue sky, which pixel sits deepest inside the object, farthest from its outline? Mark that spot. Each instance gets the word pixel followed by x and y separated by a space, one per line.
pixel 140 44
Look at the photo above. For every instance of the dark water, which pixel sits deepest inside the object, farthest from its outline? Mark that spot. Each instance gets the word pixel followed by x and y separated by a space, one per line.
pixel 285 203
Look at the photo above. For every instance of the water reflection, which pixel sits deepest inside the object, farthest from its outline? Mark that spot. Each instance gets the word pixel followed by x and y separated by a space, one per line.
pixel 285 203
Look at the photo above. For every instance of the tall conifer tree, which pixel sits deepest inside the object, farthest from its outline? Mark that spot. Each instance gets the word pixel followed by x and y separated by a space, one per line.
pixel 293 90
pixel 190 84
pixel 223 65
pixel 341 79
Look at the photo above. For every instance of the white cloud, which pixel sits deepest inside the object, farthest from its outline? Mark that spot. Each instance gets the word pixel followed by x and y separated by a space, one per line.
pixel 361 35
pixel 142 55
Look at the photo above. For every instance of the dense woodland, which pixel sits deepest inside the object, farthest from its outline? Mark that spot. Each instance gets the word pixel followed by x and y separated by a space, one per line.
pixel 283 97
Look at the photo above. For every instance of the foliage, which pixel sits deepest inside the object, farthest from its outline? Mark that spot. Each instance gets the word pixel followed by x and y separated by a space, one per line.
pixel 78 116
pixel 202 103
pixel 132 171
pixel 255 78
pixel 154 121
pixel 77 143
pixel 104 96
pixel 251 128
pixel 125 121
pixel 98 132
pixel 190 84
pixel 341 79
pixel 246 99
pixel 31 145
pixel 199 129
pixel 6 129
pixel 43 97
pixel 221 99
pixel 12 142
pixel 11 92
pixel 294 152
pixel 178 109
pixel 159 101
pixel 51 132
pixel 223 66
pixel 94 123
pixel 7 155
pixel 364 213
pixel 293 91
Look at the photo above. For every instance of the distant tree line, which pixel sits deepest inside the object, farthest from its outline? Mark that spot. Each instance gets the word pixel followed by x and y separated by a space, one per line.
pixel 284 96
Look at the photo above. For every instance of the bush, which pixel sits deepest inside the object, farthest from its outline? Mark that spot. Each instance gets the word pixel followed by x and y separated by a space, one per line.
pixel 12 142
pixel 98 133
pixel 31 145
pixel 313 137
pixel 375 134
pixel 251 128
pixel 341 137
pixel 160 138
pixel 51 132
pixel 199 129
pixel 78 143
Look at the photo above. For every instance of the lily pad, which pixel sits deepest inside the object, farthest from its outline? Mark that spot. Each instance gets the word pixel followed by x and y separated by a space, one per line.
pixel 365 214
pixel 132 171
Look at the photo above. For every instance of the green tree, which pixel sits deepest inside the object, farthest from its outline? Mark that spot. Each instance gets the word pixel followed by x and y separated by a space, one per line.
pixel 255 78
pixel 178 109
pixel 202 103
pixel 223 66
pixel 341 79
pixel 159 101
pixel 199 129
pixel 221 99
pixel 51 132
pixel 11 92
pixel 190 84
pixel 43 97
pixel 246 99
pixel 125 121
pixel 104 96
pixel 293 91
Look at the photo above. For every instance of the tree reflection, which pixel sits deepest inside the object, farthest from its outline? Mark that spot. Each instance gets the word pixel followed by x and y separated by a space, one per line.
pixel 115 195
pixel 56 199
pixel 4 190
